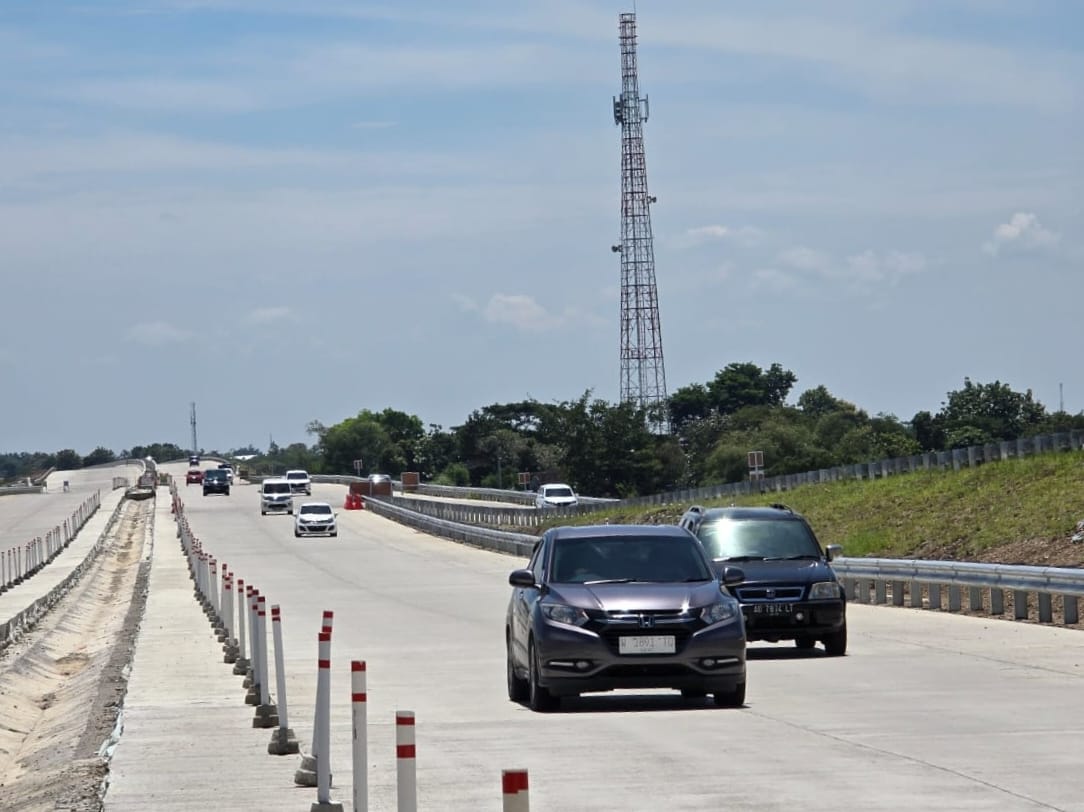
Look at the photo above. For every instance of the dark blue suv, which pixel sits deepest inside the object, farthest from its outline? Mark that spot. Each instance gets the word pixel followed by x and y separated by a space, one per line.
pixel 790 591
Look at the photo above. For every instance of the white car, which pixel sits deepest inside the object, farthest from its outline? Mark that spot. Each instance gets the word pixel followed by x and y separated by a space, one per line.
pixel 299 481
pixel 275 495
pixel 315 519
pixel 556 494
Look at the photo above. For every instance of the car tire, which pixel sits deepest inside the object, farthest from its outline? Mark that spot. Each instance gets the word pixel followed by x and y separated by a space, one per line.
pixel 693 693
pixel 289 513
pixel 539 698
pixel 518 688
pixel 297 535
pixel 731 699
pixel 334 534
pixel 835 644
pixel 263 512
pixel 804 643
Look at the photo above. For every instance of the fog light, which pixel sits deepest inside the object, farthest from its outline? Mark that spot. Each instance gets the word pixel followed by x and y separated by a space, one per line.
pixel 799 616
pixel 708 662
pixel 583 665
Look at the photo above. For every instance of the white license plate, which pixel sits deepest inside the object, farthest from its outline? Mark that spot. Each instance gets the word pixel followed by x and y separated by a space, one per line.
pixel 647 644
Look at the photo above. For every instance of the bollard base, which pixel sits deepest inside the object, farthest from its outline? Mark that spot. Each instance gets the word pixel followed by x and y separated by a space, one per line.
pixel 305 775
pixel 247 681
pixel 253 695
pixel 283 742
pixel 266 716
pixel 241 666
pixel 329 806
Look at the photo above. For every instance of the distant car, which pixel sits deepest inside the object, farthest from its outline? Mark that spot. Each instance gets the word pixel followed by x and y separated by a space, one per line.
pixel 193 459
pixel 299 481
pixel 275 495
pixel 194 475
pixel 606 607
pixel 556 494
pixel 790 590
pixel 225 466
pixel 215 480
pixel 315 518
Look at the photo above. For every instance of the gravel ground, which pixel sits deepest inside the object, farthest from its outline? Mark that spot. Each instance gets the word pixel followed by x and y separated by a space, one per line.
pixel 63 684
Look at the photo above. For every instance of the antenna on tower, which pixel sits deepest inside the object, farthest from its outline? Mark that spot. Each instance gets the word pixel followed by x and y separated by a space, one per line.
pixel 643 372
pixel 195 444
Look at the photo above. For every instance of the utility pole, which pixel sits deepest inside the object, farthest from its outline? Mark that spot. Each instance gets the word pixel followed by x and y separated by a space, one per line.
pixel 195 443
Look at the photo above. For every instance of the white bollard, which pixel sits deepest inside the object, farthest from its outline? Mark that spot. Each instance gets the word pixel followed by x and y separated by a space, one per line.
pixel 323 712
pixel 405 766
pixel 514 785
pixel 325 628
pixel 306 774
pixel 241 666
pixel 283 741
pixel 261 619
pixel 359 701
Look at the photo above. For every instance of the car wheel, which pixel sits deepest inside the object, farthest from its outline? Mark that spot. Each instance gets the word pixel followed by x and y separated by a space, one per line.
pixel 227 491
pixel 263 512
pixel 518 688
pixel 538 697
pixel 835 644
pixel 289 513
pixel 805 643
pixel 297 535
pixel 334 533
pixel 693 693
pixel 731 699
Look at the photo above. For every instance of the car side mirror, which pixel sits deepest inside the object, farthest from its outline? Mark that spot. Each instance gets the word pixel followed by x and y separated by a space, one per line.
pixel 521 578
pixel 733 576
pixel 833 551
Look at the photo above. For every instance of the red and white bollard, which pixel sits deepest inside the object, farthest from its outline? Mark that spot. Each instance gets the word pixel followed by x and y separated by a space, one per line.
pixel 514 785
pixel 405 767
pixel 266 713
pixel 306 775
pixel 283 742
pixel 240 666
pixel 323 713
pixel 359 701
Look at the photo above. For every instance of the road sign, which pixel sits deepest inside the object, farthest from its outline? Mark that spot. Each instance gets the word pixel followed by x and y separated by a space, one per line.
pixel 357 466
pixel 756 464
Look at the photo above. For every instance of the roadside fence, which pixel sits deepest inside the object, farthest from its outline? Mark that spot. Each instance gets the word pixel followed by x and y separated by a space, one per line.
pixel 20 562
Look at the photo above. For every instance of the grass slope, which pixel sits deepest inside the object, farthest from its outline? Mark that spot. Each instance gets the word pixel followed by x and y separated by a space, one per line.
pixel 1020 511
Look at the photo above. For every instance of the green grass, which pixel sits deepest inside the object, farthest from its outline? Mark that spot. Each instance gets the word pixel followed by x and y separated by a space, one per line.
pixel 943 514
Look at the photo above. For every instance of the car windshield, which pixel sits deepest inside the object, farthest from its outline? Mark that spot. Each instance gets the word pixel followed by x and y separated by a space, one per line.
pixel 753 539
pixel 316 509
pixel 559 491
pixel 276 487
pixel 297 475
pixel 628 558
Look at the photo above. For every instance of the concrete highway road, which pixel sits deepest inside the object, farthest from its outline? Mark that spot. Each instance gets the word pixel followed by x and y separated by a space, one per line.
pixel 928 710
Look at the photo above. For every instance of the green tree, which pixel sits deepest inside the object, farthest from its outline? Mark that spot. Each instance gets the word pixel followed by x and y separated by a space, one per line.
pixel 745 384
pixel 687 404
pixel 68 460
pixel 994 410
pixel 98 456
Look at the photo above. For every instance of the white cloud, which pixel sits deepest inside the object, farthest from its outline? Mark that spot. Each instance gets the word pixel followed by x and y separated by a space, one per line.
pixel 464 302
pixel 269 315
pixel 774 279
pixel 742 234
pixel 1023 231
pixel 801 258
pixel 519 311
pixel 157 333
pixel 870 267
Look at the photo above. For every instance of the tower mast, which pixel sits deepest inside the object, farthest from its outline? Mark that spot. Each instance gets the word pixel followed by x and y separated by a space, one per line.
pixel 643 373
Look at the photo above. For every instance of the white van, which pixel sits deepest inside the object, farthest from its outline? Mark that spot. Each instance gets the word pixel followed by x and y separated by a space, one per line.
pixel 275 495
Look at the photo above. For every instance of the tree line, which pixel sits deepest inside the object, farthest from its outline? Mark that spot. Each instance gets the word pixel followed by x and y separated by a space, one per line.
pixel 606 449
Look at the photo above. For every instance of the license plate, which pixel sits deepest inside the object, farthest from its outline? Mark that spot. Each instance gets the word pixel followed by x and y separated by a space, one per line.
pixel 647 644
pixel 772 608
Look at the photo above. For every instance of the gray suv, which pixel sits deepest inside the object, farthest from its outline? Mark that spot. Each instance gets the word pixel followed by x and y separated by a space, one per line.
pixel 607 607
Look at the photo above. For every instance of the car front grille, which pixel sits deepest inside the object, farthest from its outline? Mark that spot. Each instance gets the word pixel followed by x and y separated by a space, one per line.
pixel 612 626
pixel 770 593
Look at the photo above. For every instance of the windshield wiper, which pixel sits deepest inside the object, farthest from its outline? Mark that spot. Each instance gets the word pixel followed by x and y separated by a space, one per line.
pixel 697 579
pixel 610 581
pixel 743 558
pixel 792 557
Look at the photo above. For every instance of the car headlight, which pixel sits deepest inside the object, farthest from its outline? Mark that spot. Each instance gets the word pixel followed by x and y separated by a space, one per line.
pixel 718 612
pixel 824 590
pixel 561 613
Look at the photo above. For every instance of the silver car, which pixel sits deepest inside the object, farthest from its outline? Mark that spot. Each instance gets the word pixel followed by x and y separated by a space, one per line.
pixel 608 607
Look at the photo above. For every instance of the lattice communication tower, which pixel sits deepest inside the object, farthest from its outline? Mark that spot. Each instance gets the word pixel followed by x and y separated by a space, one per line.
pixel 643 373
pixel 195 443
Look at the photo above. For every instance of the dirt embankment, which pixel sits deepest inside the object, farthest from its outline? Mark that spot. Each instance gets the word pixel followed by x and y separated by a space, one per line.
pixel 62 685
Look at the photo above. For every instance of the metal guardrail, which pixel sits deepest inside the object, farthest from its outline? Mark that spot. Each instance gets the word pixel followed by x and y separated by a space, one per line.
pixel 919 583
pixel 520 544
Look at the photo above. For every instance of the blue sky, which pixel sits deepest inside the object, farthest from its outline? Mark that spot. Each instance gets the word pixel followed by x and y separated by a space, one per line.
pixel 290 211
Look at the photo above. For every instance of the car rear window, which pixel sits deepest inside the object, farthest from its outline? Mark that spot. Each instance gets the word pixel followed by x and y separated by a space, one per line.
pixel 558 491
